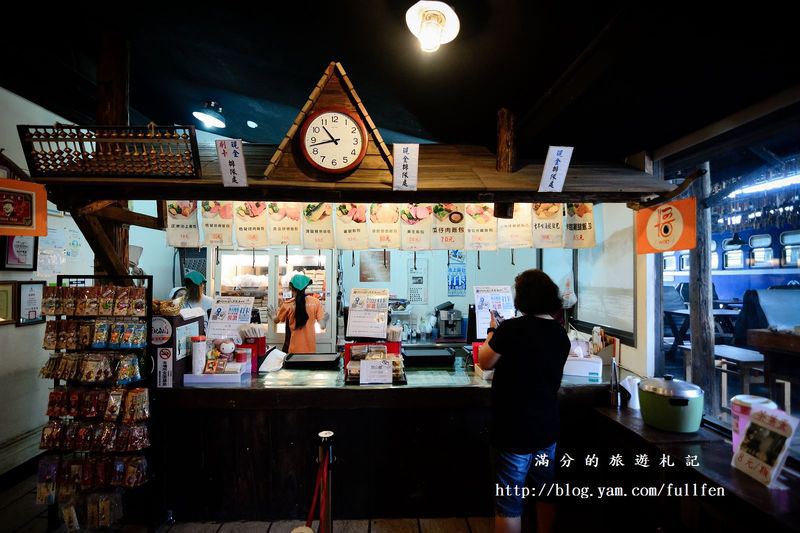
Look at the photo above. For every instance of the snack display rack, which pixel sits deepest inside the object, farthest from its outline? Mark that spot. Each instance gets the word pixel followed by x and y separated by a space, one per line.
pixel 97 330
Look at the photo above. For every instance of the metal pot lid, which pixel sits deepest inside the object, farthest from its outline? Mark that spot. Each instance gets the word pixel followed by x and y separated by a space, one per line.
pixel 669 386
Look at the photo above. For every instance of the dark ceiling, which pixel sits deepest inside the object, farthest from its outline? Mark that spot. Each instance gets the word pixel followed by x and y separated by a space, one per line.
pixel 609 78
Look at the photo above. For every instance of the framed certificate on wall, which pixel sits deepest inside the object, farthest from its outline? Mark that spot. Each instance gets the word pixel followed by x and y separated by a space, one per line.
pixel 19 253
pixel 29 303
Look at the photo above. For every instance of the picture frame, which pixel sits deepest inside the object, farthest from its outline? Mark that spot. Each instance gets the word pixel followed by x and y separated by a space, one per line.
pixel 8 302
pixel 19 253
pixel 29 303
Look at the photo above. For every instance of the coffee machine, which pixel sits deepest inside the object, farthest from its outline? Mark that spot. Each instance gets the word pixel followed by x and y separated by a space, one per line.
pixel 449 320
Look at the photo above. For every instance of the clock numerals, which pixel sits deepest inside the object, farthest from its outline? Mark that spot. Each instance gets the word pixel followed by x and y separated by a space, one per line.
pixel 315 151
pixel 353 152
pixel 355 141
pixel 315 129
pixel 345 160
pixel 333 162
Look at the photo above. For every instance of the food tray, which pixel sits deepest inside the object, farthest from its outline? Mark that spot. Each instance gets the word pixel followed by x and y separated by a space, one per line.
pixel 321 361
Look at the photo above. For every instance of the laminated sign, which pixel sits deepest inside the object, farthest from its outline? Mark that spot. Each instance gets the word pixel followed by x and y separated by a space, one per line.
pixel 251 224
pixel 415 226
pixel 182 230
pixel 579 231
pixel 217 223
pixel 547 223
pixel 667 227
pixel 447 232
pixel 284 223
pixel 515 232
pixel 383 226
pixel 481 227
pixel 351 226
pixel 317 225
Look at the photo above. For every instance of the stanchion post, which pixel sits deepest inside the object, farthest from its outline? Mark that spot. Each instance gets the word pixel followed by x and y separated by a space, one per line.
pixel 326 454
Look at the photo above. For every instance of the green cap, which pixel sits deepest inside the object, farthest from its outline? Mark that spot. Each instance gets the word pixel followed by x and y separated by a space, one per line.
pixel 300 282
pixel 195 277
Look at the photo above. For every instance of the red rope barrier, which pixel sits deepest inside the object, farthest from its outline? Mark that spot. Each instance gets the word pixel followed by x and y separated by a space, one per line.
pixel 322 470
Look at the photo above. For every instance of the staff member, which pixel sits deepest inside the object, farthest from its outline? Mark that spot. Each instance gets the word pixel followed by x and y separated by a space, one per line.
pixel 195 284
pixel 300 313
pixel 528 354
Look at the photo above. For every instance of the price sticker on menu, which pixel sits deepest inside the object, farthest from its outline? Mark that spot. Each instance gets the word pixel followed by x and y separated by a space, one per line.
pixel 375 371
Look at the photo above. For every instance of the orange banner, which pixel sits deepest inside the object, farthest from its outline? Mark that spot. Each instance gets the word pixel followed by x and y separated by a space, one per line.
pixel 667 227
pixel 23 208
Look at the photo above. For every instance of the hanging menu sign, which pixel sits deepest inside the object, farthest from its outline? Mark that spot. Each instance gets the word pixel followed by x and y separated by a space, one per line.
pixel 406 162
pixel 251 224
pixel 383 228
pixel 481 227
pixel 368 313
pixel 447 232
pixel 317 225
pixel 351 226
pixel 217 223
pixel 182 230
pixel 580 226
pixel 547 222
pixel 231 163
pixel 228 314
pixel 284 223
pixel 554 172
pixel 491 299
pixel 415 227
pixel 515 232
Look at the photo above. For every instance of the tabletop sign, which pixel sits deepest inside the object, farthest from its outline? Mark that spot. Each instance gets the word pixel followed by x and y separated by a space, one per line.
pixel 763 450
pixel 667 227
pixel 406 164
pixel 228 314
pixel 375 371
pixel 491 299
pixel 231 163
pixel 368 314
pixel 555 168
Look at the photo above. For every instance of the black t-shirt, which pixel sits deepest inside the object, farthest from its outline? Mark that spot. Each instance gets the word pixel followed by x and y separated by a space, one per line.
pixel 527 377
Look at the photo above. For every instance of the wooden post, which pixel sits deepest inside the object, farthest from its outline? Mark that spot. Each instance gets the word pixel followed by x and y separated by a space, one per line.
pixel 506 142
pixel 659 366
pixel 700 298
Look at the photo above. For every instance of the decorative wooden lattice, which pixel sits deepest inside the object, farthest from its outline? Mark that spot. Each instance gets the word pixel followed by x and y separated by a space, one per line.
pixel 123 151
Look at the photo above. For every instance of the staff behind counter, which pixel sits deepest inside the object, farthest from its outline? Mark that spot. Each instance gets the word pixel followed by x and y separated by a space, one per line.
pixel 300 313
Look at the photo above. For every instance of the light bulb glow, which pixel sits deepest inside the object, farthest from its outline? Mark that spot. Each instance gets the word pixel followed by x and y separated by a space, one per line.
pixel 430 31
pixel 208 120
pixel 433 23
pixel 767 186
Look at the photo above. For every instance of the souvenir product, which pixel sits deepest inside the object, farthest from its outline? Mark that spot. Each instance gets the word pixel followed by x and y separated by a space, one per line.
pixel 95 368
pixel 84 437
pixel 101 334
pixel 50 335
pixel 85 335
pixel 114 404
pixel 71 342
pixel 68 301
pixel 115 332
pixel 139 438
pixel 51 435
pixel 74 399
pixel 46 478
pixel 138 305
pixel 106 300
pixel 122 300
pixel 128 370
pixel 49 297
pixel 61 339
pixel 137 406
pixel 139 339
pixel 127 336
pixel 57 402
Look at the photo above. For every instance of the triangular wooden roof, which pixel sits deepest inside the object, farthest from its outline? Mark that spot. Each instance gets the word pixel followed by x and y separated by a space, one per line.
pixel 334 88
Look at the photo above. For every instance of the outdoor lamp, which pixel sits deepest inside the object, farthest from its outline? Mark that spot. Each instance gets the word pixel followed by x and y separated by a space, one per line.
pixel 433 23
pixel 210 115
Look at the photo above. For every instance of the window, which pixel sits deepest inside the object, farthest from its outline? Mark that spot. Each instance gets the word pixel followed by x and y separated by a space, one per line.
pixel 714 261
pixel 790 237
pixel 761 258
pixel 791 256
pixel 685 262
pixel 727 246
pixel 733 259
pixel 670 262
pixel 763 240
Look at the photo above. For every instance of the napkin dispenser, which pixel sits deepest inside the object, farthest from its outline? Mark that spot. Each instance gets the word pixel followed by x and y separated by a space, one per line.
pixel 581 363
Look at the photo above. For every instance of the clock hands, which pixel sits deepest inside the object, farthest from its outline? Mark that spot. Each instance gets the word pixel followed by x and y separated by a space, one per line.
pixel 335 141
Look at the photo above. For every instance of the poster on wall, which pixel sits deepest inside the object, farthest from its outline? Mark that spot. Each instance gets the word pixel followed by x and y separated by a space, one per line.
pixel 579 232
pixel 447 232
pixel 52 253
pixel 284 224
pixel 368 314
pixel 383 228
pixel 23 208
pixel 351 226
pixel 515 232
pixel 547 225
pixel 418 281
pixel 667 227
pixel 182 229
pixel 456 274
pixel 481 227
pixel 317 225
pixel 217 220
pixel 491 299
pixel 415 226
pixel 250 219
pixel 375 266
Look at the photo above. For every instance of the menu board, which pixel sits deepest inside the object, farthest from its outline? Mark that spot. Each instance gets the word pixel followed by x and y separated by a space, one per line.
pixel 317 225
pixel 547 221
pixel 415 226
pixel 580 226
pixel 515 232
pixel 228 314
pixel 383 228
pixel 217 223
pixel 284 223
pixel 182 230
pixel 251 224
pixel 481 227
pixel 368 313
pixel 351 226
pixel 447 232
pixel 489 299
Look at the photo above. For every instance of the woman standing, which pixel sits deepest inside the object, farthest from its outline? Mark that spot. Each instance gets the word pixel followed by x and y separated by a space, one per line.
pixel 195 284
pixel 300 313
pixel 528 354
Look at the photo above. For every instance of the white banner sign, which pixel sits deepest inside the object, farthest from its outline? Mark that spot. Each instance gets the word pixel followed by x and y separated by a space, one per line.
pixel 555 168
pixel 406 162
pixel 251 224
pixel 415 227
pixel 217 223
pixel 515 232
pixel 579 231
pixel 368 313
pixel 284 223
pixel 231 163
pixel 448 227
pixel 351 226
pixel 547 221
pixel 481 227
pixel 182 230
pixel 317 225
pixel 383 227
pixel 227 314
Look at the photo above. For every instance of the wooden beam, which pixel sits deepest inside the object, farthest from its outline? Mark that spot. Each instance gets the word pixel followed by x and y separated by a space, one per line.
pixel 93 207
pixel 125 216
pixel 161 208
pixel 700 298
pixel 106 258
pixel 740 118
pixel 506 142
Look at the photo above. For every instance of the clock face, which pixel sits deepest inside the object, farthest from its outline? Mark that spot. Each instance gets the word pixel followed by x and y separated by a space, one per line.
pixel 333 141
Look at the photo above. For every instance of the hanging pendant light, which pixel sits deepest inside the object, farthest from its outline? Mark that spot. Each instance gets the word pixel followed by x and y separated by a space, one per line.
pixel 210 115
pixel 433 23
pixel 736 240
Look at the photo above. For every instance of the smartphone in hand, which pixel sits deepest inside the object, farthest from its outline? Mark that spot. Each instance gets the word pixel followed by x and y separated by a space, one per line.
pixel 498 318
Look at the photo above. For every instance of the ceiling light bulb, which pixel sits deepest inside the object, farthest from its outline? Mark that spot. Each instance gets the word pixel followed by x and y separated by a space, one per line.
pixel 251 124
pixel 210 115
pixel 433 23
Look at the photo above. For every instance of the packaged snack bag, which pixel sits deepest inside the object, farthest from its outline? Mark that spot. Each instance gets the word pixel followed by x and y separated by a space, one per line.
pixel 50 335
pixel 85 335
pixel 49 297
pixel 106 300
pixel 114 405
pixel 122 301
pixel 72 335
pixel 115 334
pixel 101 328
pixel 138 302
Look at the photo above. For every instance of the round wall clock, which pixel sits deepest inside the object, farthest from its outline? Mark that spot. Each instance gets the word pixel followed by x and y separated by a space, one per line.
pixel 333 140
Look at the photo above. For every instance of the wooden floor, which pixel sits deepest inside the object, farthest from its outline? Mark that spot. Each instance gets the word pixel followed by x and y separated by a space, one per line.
pixel 19 513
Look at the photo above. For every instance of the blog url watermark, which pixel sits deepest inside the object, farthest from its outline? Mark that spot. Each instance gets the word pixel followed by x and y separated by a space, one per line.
pixel 585 492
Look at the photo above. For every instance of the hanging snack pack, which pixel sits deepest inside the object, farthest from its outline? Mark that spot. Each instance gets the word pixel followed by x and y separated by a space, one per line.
pixel 106 300
pixel 122 301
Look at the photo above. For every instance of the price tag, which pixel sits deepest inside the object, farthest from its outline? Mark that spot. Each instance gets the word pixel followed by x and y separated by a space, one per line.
pixel 375 371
